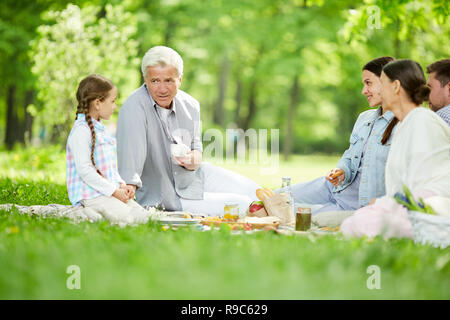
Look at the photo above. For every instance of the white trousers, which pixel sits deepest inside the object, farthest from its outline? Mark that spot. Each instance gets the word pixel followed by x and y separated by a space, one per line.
pixel 115 211
pixel 222 186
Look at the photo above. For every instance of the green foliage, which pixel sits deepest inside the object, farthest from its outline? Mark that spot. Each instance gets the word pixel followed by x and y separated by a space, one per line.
pixel 237 55
pixel 74 44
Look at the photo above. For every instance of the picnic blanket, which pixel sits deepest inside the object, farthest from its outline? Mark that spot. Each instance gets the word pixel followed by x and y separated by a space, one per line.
pixel 74 213
pixel 54 210
pixel 78 214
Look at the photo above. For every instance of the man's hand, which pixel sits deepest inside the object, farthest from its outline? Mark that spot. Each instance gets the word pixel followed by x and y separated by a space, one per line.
pixel 335 176
pixel 121 195
pixel 192 160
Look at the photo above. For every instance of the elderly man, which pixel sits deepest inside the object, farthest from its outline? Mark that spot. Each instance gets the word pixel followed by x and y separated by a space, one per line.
pixel 439 83
pixel 159 145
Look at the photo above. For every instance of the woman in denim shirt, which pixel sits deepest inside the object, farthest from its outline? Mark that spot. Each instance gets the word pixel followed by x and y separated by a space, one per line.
pixel 359 175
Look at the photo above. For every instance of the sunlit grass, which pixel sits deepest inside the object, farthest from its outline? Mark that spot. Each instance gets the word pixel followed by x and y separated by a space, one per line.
pixel 147 263
pixel 34 164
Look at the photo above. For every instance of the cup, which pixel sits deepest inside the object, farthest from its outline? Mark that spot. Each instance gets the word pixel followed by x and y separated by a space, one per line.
pixel 179 150
pixel 303 219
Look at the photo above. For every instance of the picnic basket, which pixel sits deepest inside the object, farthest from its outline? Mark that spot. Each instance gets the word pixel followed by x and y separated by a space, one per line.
pixel 430 229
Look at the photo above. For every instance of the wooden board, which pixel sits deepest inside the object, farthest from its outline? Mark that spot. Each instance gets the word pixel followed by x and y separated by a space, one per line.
pixel 233 224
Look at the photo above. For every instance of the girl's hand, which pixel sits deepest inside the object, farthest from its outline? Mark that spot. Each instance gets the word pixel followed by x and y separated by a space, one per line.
pixel 335 176
pixel 121 195
pixel 131 190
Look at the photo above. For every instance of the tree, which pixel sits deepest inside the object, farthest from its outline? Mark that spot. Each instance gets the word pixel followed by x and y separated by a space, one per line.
pixel 18 23
pixel 76 45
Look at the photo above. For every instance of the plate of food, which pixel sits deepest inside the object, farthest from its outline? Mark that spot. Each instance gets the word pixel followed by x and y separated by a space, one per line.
pixel 177 220
pixel 184 215
pixel 246 223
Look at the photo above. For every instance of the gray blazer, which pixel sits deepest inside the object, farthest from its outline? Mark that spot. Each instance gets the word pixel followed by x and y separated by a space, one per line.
pixel 143 150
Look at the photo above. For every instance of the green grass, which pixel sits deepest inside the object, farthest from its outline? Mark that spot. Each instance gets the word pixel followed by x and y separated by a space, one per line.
pixel 146 262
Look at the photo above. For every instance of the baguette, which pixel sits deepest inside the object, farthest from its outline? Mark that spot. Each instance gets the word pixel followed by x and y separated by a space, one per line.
pixel 261 194
pixel 266 194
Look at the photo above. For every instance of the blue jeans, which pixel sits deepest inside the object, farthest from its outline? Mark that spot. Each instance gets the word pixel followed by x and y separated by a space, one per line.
pixel 320 192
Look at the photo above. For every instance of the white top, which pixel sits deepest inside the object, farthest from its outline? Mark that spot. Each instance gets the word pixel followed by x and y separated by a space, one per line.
pixel 420 155
pixel 80 142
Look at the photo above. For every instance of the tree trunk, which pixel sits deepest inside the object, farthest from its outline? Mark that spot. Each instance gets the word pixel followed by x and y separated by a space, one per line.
pixel 28 122
pixel 12 122
pixel 251 107
pixel 168 35
pixel 397 42
pixel 288 138
pixel 219 113
pixel 238 99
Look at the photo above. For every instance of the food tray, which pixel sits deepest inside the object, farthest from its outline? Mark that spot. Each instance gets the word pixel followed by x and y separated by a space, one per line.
pixel 234 224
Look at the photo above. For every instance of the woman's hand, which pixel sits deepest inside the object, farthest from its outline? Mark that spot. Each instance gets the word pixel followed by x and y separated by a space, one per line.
pixel 335 176
pixel 121 194
pixel 192 160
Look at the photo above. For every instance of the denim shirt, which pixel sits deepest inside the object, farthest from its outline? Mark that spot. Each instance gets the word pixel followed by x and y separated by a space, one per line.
pixel 370 126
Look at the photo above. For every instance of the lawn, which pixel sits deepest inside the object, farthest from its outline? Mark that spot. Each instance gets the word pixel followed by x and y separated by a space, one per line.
pixel 147 262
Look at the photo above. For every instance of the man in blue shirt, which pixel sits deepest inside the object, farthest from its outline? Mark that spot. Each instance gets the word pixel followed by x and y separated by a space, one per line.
pixel 439 83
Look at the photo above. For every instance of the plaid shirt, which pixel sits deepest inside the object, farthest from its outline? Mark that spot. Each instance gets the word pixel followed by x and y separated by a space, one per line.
pixel 105 161
pixel 444 113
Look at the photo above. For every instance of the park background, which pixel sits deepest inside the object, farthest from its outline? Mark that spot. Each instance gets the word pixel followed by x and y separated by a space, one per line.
pixel 292 65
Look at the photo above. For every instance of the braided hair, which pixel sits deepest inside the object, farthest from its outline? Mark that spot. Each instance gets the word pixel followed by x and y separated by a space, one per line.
pixel 90 88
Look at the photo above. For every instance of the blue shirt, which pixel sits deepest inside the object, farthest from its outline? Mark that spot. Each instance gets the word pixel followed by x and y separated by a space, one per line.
pixel 365 142
pixel 444 113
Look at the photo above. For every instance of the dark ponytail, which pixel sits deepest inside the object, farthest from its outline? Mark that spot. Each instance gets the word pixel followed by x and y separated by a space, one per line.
pixel 388 131
pixel 421 94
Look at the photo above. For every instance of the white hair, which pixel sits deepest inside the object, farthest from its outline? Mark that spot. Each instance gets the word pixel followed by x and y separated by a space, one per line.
pixel 162 56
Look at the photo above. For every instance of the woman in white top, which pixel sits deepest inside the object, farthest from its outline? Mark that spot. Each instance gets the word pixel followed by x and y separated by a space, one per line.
pixel 419 156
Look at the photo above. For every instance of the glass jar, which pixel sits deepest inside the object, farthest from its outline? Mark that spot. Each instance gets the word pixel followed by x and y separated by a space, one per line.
pixel 303 219
pixel 231 211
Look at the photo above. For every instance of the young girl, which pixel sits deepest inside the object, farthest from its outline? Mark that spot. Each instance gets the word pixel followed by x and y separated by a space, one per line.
pixel 92 177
